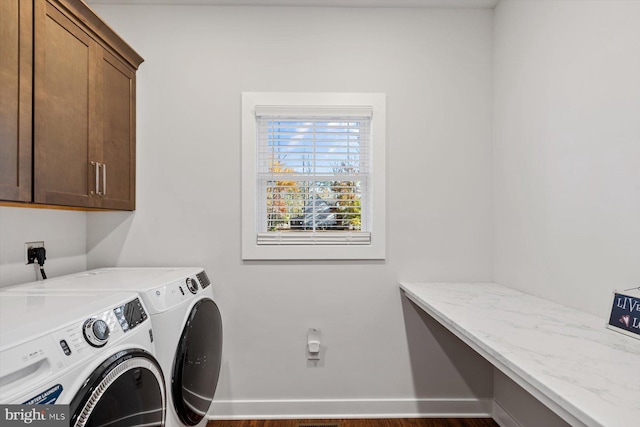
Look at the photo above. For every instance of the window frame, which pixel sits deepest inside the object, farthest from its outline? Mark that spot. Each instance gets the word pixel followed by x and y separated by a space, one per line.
pixel 251 250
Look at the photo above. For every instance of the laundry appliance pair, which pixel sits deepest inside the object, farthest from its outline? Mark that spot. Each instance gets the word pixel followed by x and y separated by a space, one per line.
pixel 184 336
pixel 83 349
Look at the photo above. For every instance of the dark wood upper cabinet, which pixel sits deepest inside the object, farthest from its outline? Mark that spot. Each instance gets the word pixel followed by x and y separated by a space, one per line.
pixel 16 52
pixel 65 114
pixel 83 110
pixel 118 133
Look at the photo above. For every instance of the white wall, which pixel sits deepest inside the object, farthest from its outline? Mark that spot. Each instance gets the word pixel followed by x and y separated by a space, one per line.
pixel 566 157
pixel 566 102
pixel 435 67
pixel 515 407
pixel 65 238
pixel 567 149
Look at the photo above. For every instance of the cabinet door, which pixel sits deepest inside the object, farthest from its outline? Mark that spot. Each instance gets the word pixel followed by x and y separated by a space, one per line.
pixel 15 99
pixel 64 110
pixel 117 92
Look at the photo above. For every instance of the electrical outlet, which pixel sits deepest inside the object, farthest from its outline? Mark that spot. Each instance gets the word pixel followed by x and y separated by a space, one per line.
pixel 31 245
pixel 313 344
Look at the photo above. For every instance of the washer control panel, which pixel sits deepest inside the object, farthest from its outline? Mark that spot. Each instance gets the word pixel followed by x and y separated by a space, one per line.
pixel 97 330
pixel 171 294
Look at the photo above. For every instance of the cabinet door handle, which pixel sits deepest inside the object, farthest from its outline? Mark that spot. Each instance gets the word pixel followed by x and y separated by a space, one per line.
pixel 97 167
pixel 98 192
pixel 104 179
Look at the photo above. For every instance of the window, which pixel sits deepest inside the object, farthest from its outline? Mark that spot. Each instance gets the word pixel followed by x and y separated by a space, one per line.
pixel 313 176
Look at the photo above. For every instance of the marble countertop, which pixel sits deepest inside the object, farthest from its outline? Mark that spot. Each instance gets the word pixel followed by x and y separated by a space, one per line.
pixel 588 374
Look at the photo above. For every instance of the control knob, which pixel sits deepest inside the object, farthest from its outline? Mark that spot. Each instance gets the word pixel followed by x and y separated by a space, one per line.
pixel 192 285
pixel 96 332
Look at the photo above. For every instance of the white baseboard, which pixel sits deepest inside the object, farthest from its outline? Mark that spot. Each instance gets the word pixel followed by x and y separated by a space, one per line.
pixel 355 408
pixel 502 417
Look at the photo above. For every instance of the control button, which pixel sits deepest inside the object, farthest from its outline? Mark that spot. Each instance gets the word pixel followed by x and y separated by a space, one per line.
pixel 96 332
pixel 65 347
pixel 181 291
pixel 151 335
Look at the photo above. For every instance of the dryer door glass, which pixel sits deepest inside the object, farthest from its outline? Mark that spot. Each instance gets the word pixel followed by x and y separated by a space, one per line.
pixel 126 390
pixel 197 364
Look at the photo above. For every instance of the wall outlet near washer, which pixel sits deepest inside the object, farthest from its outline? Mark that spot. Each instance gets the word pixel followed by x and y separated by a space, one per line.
pixel 31 245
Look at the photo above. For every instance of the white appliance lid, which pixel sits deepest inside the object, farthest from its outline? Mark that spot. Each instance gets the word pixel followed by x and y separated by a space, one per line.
pixel 138 279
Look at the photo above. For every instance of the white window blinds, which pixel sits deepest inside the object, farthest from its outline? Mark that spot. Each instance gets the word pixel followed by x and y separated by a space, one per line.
pixel 313 175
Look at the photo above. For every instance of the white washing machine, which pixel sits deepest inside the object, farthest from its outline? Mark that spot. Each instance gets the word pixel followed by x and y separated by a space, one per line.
pixel 91 350
pixel 187 329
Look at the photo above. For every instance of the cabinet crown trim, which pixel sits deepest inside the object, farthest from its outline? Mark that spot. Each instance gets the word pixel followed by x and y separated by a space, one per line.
pixel 100 29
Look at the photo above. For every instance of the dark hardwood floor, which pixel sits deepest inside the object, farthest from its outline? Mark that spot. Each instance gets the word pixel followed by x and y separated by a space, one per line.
pixel 394 422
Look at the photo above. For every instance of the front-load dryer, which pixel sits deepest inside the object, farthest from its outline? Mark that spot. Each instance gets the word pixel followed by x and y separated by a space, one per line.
pixel 187 327
pixel 91 350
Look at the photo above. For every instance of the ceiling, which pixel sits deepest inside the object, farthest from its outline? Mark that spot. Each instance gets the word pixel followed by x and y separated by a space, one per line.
pixel 481 4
